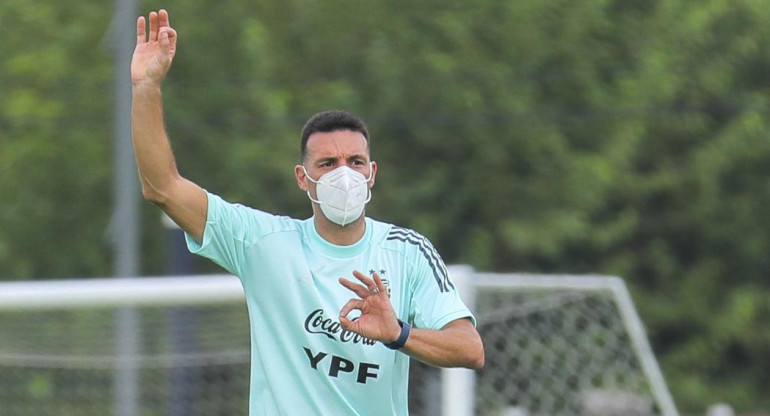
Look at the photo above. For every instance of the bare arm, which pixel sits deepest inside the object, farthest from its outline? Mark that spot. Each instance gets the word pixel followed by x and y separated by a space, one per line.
pixel 184 201
pixel 457 344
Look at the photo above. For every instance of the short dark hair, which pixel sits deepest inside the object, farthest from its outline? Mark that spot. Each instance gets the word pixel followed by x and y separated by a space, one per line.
pixel 329 121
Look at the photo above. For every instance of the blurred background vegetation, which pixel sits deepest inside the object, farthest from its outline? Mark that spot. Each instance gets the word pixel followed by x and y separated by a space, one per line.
pixel 619 137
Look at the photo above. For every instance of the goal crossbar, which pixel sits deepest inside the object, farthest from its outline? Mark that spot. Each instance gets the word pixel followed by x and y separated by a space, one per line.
pixel 68 294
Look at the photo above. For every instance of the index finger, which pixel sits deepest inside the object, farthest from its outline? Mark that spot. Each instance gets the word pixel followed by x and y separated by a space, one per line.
pixel 364 279
pixel 359 290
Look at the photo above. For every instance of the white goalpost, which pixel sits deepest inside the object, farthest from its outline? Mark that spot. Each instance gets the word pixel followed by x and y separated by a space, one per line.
pixel 555 345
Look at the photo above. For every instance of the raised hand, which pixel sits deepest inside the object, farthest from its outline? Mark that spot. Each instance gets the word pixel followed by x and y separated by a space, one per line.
pixel 378 320
pixel 154 52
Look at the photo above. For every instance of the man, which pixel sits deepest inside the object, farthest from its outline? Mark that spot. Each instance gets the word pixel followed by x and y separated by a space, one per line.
pixel 315 351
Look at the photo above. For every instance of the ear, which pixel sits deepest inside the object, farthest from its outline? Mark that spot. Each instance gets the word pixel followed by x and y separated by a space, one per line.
pixel 301 177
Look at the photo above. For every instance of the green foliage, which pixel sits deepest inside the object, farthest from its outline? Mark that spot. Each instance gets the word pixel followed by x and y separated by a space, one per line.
pixel 609 136
pixel 54 140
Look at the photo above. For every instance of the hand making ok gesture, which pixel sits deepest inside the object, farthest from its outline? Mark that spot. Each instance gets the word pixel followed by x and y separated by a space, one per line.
pixel 153 54
pixel 378 320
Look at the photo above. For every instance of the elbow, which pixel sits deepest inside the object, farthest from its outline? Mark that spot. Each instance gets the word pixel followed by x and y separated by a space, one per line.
pixel 148 194
pixel 154 194
pixel 477 359
pixel 474 354
pixel 478 364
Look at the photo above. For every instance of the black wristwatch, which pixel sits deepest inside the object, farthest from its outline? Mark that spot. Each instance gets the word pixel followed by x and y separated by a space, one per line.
pixel 401 341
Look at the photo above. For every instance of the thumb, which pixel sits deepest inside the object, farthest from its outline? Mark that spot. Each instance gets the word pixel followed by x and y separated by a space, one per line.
pixel 346 323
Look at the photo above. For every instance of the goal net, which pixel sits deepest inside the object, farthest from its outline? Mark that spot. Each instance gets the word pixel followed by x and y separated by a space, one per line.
pixel 124 347
pixel 561 345
pixel 180 346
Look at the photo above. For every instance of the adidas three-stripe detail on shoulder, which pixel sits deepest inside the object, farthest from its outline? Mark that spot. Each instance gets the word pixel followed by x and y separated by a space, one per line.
pixel 426 248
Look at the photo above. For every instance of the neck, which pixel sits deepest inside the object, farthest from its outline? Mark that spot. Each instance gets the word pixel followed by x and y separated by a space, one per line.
pixel 338 234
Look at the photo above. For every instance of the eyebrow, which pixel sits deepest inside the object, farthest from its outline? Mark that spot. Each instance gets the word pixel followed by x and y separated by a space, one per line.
pixel 335 158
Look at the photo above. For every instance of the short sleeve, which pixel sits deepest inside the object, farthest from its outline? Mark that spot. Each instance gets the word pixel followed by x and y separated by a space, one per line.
pixel 230 229
pixel 435 300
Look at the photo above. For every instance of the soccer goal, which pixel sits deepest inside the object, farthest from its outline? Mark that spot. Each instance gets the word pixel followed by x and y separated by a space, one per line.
pixel 555 345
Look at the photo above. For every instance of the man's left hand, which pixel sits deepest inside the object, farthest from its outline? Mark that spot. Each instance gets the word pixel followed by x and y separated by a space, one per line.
pixel 378 320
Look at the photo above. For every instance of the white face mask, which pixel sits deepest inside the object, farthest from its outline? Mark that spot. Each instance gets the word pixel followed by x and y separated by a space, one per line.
pixel 342 194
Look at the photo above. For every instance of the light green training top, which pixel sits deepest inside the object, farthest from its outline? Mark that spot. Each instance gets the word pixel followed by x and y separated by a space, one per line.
pixel 302 361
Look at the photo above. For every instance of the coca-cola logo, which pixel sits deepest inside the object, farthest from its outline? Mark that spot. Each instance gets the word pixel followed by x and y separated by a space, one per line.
pixel 318 323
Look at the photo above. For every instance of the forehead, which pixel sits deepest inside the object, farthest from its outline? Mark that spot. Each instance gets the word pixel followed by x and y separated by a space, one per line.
pixel 339 143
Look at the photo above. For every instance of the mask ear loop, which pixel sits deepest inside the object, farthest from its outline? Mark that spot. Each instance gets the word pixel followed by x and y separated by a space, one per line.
pixel 315 182
pixel 368 188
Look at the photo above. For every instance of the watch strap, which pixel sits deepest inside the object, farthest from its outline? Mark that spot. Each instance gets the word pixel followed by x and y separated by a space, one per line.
pixel 401 341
